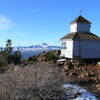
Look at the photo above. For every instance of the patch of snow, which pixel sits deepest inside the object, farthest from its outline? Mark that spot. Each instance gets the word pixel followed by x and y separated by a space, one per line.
pixel 60 60
pixel 74 92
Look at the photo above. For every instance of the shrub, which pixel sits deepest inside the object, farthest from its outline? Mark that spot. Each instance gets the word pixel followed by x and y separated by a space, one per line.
pixel 17 57
pixel 34 82
pixel 51 56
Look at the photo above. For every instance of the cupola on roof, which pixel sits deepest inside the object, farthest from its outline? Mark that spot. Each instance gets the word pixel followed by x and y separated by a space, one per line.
pixel 80 30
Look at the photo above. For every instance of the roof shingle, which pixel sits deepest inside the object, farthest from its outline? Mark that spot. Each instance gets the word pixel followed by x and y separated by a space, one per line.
pixel 81 36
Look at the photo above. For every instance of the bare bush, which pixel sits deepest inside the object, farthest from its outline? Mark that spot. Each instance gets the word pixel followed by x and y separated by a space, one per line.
pixel 35 82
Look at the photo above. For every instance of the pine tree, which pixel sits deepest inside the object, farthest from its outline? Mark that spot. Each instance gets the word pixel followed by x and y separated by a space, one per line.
pixel 17 57
pixel 8 48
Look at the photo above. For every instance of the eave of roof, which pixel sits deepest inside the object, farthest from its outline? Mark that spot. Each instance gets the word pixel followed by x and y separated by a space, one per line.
pixel 80 36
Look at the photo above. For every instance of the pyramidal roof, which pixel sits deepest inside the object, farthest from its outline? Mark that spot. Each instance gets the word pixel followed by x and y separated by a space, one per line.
pixel 81 20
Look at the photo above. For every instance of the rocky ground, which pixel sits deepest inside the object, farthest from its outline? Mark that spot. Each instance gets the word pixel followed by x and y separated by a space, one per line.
pixel 87 76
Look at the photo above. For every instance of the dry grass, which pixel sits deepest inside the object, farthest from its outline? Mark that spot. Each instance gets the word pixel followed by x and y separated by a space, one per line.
pixel 34 82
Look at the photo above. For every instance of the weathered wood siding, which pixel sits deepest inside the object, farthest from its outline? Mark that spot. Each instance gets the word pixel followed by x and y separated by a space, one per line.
pixel 73 27
pixel 76 48
pixel 90 49
pixel 86 49
pixel 80 27
pixel 68 52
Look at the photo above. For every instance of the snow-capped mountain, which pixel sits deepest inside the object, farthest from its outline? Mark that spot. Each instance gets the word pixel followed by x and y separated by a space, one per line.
pixel 28 51
pixel 37 47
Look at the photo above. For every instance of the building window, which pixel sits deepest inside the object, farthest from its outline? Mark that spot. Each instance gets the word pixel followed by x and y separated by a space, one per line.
pixel 63 45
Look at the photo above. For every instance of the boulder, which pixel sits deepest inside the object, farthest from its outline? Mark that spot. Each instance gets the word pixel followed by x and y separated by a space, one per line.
pixel 98 87
pixel 65 67
pixel 84 74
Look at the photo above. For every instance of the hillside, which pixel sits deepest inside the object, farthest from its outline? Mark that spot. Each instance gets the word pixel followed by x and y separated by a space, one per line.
pixel 85 75
pixel 28 51
pixel 41 78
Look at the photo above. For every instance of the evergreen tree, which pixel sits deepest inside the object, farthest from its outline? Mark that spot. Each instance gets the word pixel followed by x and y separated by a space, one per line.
pixel 7 56
pixel 17 57
pixel 3 60
pixel 8 48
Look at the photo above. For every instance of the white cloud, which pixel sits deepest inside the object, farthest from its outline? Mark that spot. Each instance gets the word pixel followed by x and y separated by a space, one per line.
pixel 5 23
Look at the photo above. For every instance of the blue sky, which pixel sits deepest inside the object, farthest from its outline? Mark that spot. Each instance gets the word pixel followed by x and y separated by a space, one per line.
pixel 29 22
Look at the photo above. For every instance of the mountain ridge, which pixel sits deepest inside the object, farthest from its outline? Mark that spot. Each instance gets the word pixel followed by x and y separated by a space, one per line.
pixel 28 51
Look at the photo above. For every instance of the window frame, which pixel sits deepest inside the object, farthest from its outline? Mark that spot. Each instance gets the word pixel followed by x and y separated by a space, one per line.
pixel 64 45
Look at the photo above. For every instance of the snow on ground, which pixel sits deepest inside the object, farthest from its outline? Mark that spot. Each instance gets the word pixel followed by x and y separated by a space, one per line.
pixel 74 92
